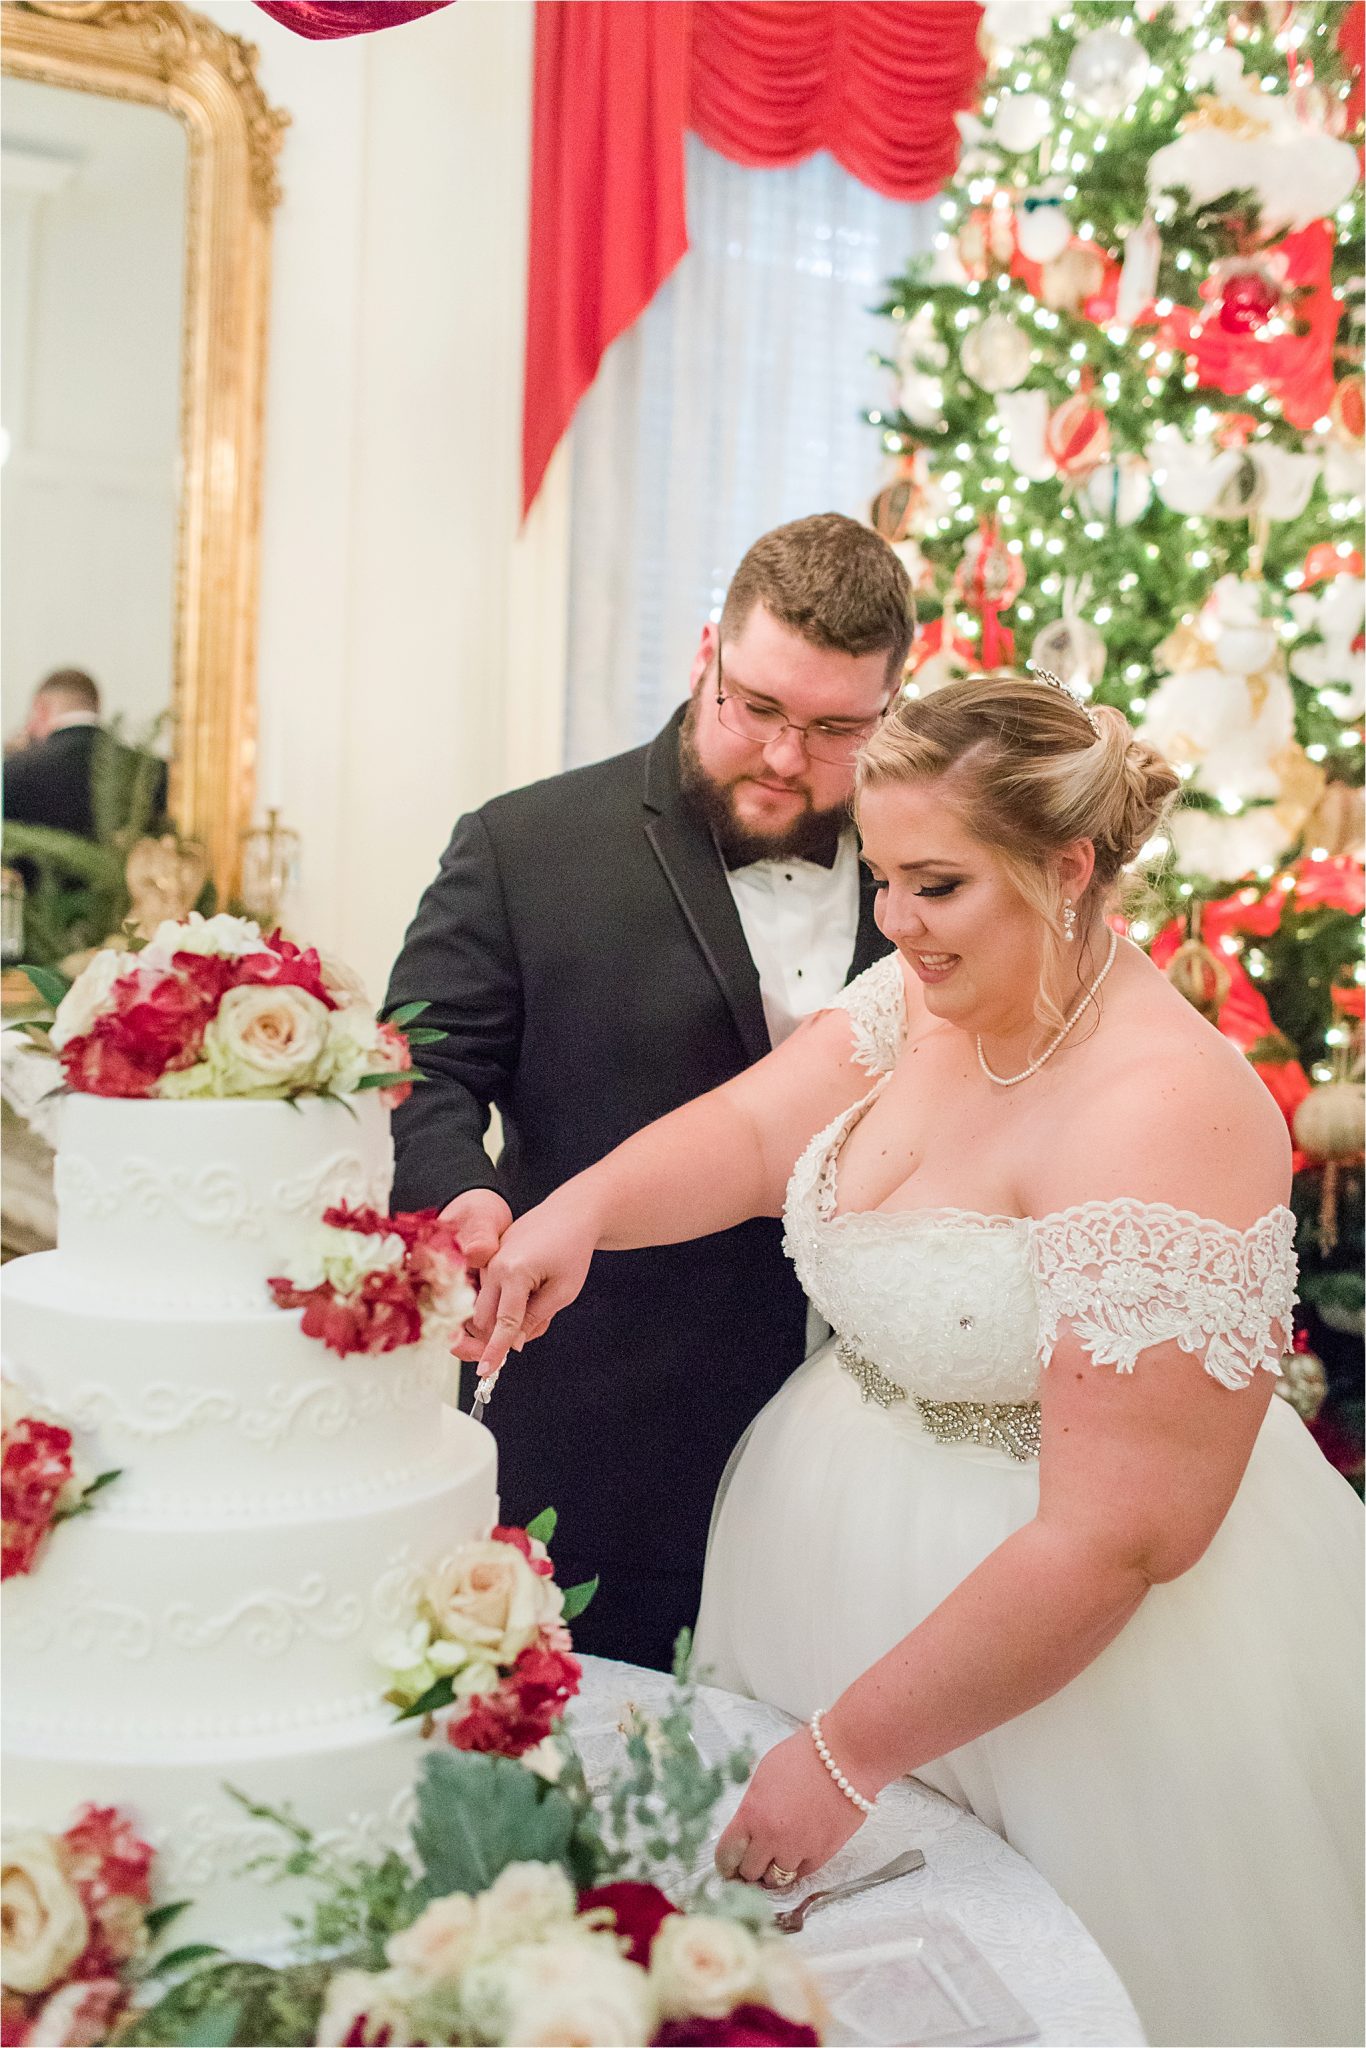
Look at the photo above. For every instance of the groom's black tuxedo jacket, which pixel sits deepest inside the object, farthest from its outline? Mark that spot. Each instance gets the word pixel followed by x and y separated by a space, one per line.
pixel 581 949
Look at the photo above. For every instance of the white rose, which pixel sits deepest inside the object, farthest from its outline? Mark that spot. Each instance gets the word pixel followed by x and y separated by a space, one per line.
pixel 787 1987
pixel 77 2015
pixel 89 996
pixel 704 1966
pixel 352 1048
pixel 343 982
pixel 490 1599
pixel 265 1041
pixel 229 938
pixel 524 1902
pixel 44 1923
pixel 442 1941
pixel 343 1258
pixel 362 2007
pixel 570 1992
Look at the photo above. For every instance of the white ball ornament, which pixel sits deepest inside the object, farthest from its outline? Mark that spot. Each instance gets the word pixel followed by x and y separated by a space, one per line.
pixel 1021 121
pixel 1107 72
pixel 1119 491
pixel 997 354
pixel 1042 229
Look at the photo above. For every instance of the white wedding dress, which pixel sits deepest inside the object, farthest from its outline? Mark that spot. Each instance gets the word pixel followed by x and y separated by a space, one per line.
pixel 1195 1794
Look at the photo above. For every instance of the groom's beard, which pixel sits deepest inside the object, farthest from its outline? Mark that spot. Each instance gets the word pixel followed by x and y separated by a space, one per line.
pixel 814 835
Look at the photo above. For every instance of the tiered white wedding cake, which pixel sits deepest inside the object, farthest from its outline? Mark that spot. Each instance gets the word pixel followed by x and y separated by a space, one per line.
pixel 213 1620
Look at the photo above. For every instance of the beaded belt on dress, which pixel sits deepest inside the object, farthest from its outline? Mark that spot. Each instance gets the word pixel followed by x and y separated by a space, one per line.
pixel 1011 1426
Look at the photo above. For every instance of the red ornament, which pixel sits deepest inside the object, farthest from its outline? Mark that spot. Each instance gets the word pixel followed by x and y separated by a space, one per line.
pixel 1248 302
pixel 1077 436
pixel 1323 563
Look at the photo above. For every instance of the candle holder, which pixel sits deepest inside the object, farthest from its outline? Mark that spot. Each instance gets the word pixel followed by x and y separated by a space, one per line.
pixel 270 868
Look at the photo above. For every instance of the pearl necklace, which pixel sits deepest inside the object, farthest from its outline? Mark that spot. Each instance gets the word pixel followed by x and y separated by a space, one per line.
pixel 1012 1080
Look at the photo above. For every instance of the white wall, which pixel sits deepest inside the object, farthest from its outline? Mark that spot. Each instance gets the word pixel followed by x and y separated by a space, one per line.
pixel 93 255
pixel 411 644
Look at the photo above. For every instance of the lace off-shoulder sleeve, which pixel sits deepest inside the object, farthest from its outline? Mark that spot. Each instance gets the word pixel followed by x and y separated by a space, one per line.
pixel 876 1002
pixel 1129 1275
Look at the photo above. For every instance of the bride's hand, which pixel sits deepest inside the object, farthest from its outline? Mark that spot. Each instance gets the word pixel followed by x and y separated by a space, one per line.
pixel 538 1269
pixel 792 1815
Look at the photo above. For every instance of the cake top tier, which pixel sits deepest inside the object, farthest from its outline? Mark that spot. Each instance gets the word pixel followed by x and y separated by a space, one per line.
pixel 196 1205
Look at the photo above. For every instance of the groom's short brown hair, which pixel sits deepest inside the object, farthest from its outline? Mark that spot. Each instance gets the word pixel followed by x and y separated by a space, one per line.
pixel 832 581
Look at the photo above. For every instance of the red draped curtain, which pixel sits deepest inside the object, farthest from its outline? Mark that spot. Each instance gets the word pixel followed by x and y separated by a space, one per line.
pixel 617 85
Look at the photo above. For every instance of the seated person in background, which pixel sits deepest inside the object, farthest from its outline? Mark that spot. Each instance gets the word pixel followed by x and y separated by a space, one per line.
pixel 48 775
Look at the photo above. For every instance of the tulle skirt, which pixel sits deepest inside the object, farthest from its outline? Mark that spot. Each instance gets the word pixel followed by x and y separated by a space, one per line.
pixel 1195 1794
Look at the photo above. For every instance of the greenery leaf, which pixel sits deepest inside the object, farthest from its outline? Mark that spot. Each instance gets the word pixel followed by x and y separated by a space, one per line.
pixel 391 1080
pixel 542 1530
pixel 50 984
pixel 406 1013
pixel 181 1958
pixel 103 1479
pixel 161 1917
pixel 425 1036
pixel 476 1814
pixel 576 1598
pixel 436 1696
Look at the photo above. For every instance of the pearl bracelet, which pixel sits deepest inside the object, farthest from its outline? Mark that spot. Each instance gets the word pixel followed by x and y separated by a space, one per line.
pixel 865 1806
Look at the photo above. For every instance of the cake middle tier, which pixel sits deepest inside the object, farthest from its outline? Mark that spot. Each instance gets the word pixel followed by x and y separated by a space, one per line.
pixel 227 1416
pixel 161 1626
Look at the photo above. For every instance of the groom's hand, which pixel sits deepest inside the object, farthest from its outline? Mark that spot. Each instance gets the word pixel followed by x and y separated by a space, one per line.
pixel 479 1217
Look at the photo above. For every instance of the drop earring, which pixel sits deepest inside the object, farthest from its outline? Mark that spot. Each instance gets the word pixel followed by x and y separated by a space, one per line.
pixel 1069 921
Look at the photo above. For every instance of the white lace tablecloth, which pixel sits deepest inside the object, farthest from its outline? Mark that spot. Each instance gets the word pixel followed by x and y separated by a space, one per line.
pixel 1036 1945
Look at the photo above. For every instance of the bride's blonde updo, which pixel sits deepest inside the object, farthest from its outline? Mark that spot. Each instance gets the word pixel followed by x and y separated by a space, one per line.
pixel 1029 774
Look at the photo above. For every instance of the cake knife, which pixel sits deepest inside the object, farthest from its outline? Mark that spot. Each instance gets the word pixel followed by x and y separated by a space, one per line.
pixel 481 1397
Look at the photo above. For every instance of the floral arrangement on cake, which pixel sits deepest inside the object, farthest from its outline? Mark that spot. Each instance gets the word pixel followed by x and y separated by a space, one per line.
pixel 527 1911
pixel 211 1008
pixel 77 1915
pixel 40 1481
pixel 489 1635
pixel 369 1283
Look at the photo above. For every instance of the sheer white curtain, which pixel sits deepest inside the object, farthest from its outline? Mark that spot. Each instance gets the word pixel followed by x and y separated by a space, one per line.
pixel 733 404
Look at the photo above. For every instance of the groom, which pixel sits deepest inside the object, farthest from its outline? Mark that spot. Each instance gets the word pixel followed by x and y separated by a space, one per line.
pixel 601 947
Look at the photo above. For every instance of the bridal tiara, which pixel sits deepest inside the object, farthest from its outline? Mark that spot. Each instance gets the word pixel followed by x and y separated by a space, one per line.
pixel 1044 675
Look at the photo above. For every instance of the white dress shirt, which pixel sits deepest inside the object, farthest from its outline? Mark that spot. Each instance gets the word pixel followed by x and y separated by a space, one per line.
pixel 800 922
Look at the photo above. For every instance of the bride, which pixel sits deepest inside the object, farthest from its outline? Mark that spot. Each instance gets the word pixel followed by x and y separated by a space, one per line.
pixel 1030 1525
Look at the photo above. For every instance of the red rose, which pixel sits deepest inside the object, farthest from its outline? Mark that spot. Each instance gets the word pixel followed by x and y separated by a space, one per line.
pixel 749 2026
pixel 638 1910
pixel 519 1540
pixel 34 1469
pixel 284 966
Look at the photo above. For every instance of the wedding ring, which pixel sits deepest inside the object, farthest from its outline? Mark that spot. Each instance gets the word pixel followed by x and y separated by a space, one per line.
pixel 781 1878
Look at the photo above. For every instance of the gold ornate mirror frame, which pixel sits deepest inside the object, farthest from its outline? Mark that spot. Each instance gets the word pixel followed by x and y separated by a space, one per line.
pixel 161 54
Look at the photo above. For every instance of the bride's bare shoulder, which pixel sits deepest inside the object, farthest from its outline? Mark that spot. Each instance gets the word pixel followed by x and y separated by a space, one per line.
pixel 1169 1110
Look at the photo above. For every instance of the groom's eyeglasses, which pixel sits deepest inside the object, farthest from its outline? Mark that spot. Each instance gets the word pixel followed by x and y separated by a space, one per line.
pixel 834 741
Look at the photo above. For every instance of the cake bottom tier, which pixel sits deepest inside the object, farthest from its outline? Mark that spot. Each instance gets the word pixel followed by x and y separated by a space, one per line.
pixel 355 1787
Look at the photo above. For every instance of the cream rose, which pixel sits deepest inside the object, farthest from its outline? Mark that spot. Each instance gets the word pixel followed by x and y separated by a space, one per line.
pixel 88 997
pixel 570 1992
pixel 703 1965
pixel 41 1916
pixel 786 1986
pixel 229 938
pixel 490 1599
pixel 362 2007
pixel 442 1941
pixel 524 1902
pixel 263 1041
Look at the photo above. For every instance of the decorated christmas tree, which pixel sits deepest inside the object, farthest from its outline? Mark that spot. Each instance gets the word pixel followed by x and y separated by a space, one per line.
pixel 1125 444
